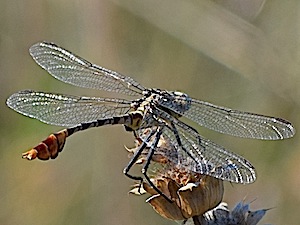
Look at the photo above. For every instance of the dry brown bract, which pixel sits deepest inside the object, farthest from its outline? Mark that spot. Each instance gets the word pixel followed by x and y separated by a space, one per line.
pixel 191 194
pixel 189 200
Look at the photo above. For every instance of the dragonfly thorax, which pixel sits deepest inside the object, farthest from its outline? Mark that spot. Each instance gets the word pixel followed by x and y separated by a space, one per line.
pixel 136 120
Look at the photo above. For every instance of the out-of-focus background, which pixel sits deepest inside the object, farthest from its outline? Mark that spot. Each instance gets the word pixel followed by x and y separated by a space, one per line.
pixel 239 54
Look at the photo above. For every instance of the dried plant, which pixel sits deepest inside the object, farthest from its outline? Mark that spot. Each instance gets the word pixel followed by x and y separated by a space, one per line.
pixel 192 197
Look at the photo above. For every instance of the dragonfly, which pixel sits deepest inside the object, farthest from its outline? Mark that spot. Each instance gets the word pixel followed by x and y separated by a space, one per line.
pixel 152 115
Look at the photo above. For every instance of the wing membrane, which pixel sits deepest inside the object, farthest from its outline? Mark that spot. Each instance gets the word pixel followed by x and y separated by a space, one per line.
pixel 65 110
pixel 195 153
pixel 72 69
pixel 236 123
pixel 186 148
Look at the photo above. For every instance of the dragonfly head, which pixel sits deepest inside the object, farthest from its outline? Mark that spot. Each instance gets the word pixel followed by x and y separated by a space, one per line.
pixel 179 101
pixel 176 102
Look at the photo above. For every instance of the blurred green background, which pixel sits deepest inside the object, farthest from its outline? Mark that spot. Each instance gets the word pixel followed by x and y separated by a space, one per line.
pixel 239 54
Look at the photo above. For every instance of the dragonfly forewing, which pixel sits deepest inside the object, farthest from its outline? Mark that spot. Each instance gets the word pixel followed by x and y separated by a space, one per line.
pixel 70 68
pixel 236 123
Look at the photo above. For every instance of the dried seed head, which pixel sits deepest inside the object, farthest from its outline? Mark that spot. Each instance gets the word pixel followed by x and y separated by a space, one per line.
pixel 241 214
pixel 189 200
pixel 191 193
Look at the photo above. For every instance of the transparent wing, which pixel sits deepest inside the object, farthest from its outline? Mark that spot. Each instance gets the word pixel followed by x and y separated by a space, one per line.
pixel 236 123
pixel 195 153
pixel 65 110
pixel 187 149
pixel 72 69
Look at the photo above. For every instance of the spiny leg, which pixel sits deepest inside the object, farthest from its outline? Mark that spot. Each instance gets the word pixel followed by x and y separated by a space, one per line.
pixel 173 129
pixel 178 139
pixel 135 157
pixel 148 161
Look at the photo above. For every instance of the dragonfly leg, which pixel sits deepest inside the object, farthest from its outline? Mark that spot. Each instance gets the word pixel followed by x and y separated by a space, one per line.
pixel 178 139
pixel 135 157
pixel 148 161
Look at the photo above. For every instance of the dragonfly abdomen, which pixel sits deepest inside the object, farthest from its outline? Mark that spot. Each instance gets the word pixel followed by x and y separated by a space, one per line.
pixel 54 143
pixel 132 120
pixel 48 148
